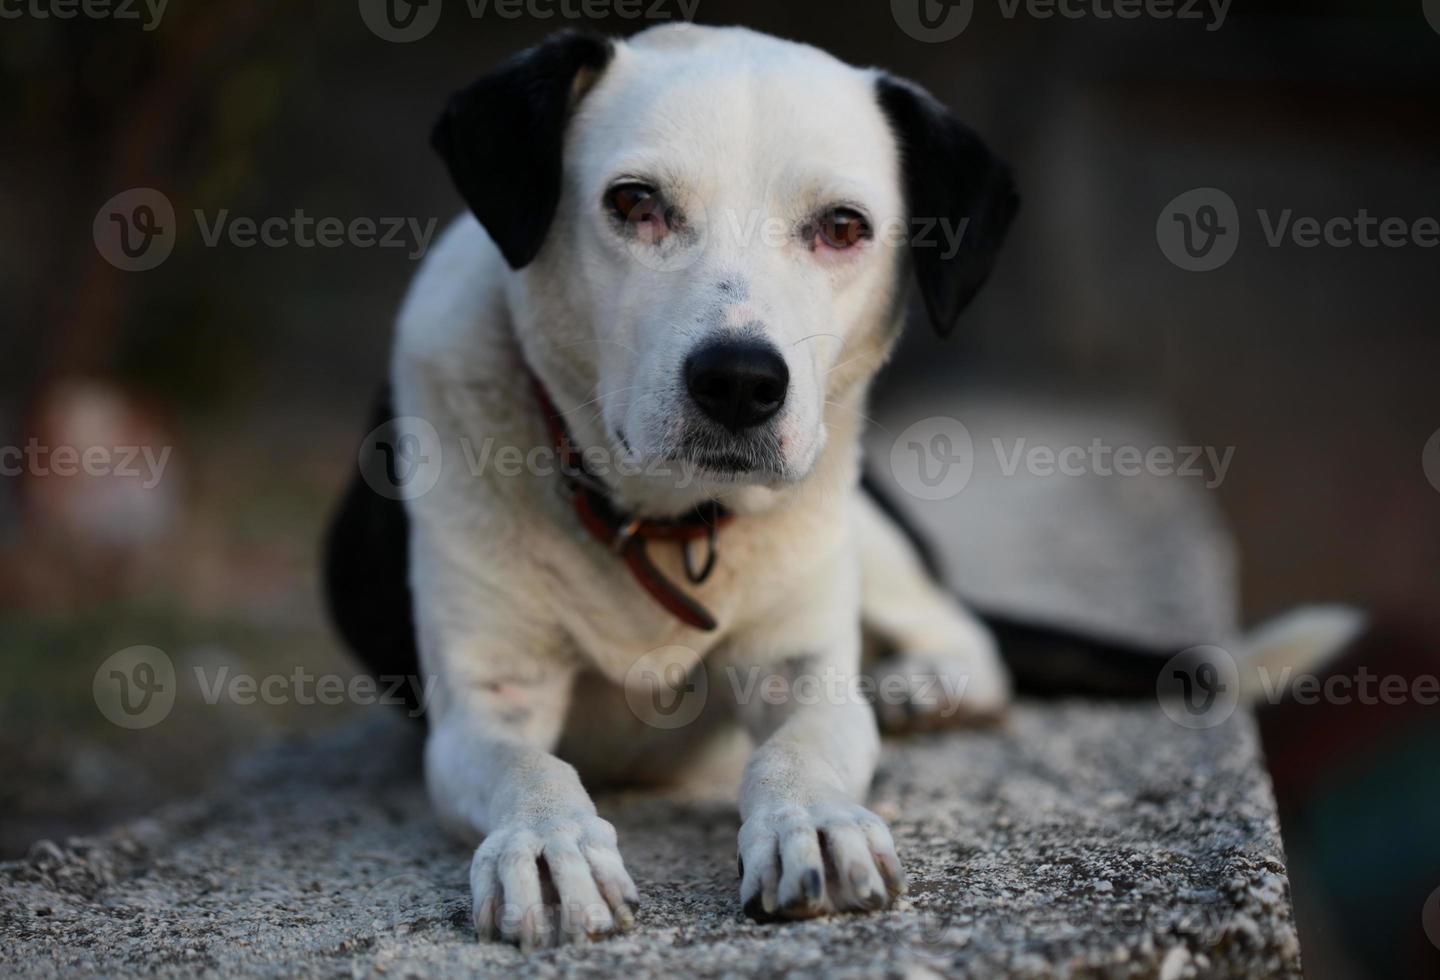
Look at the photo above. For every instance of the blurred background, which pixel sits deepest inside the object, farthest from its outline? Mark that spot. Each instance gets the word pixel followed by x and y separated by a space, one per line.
pixel 252 367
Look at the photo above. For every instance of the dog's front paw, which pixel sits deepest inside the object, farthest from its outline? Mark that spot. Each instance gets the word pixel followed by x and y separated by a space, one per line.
pixel 546 884
pixel 799 862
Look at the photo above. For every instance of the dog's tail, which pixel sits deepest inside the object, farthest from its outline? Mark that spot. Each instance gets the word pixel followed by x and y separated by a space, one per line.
pixel 1049 658
pixel 1052 660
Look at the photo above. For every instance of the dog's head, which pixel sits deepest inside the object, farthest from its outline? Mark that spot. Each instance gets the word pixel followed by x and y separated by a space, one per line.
pixel 716 224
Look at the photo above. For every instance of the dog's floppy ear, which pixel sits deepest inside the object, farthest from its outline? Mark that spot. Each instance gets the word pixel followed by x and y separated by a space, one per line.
pixel 950 177
pixel 502 138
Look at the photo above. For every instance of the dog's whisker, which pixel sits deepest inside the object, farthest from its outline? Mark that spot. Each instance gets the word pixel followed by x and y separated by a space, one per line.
pixel 855 411
pixel 802 340
pixel 599 397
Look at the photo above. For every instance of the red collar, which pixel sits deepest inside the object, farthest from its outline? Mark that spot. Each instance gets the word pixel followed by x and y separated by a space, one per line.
pixel 628 536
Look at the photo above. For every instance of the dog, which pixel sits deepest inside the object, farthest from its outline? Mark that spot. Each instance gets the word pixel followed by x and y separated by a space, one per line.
pixel 687 255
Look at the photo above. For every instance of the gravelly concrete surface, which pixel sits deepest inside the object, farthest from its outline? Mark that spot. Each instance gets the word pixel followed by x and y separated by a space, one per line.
pixel 1080 840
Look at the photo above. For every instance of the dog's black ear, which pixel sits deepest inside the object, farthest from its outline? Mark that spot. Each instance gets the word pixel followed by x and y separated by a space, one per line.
pixel 950 176
pixel 502 138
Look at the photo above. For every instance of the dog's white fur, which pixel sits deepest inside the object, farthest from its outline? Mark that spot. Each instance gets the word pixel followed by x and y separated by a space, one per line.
pixel 516 606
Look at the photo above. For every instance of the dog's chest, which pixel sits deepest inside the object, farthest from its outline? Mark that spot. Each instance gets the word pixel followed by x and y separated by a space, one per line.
pixel 621 629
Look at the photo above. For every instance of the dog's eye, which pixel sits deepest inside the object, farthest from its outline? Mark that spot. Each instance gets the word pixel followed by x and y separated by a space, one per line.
pixel 626 200
pixel 641 208
pixel 842 228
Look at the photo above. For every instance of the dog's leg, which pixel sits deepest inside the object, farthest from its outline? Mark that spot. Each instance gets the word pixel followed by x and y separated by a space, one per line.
pixel 549 868
pixel 944 668
pixel 807 847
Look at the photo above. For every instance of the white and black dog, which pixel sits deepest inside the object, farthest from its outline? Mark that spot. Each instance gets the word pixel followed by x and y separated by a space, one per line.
pixel 681 273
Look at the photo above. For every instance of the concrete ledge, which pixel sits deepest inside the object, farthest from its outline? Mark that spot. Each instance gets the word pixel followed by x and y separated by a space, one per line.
pixel 1085 840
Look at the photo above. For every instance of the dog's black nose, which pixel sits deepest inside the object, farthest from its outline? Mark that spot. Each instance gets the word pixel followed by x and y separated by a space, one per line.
pixel 737 383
